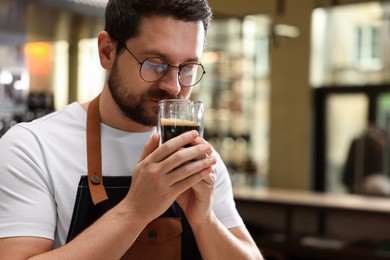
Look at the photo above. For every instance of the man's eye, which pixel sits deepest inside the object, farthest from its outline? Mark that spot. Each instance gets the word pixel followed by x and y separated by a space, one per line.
pixel 160 68
pixel 188 69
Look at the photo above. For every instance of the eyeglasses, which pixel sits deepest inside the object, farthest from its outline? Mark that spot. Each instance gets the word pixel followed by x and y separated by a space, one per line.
pixel 155 68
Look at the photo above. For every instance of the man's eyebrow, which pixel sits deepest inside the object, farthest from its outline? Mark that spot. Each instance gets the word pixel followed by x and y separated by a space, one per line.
pixel 155 53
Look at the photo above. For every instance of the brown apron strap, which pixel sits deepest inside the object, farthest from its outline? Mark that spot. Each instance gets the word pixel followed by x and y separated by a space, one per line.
pixel 94 153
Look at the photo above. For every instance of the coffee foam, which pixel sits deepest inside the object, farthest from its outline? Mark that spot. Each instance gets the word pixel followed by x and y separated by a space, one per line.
pixel 177 122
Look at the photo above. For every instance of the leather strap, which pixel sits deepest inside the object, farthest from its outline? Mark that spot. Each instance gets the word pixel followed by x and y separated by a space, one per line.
pixel 94 153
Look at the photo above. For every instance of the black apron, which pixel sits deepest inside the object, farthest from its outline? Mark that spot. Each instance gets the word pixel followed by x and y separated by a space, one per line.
pixel 167 237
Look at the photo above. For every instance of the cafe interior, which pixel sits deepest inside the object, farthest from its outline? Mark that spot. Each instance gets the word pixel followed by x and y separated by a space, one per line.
pixel 297 98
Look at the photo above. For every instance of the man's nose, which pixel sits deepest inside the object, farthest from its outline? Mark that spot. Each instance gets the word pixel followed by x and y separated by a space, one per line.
pixel 170 82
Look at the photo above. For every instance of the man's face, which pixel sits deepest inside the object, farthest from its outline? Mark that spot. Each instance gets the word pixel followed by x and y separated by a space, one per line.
pixel 177 42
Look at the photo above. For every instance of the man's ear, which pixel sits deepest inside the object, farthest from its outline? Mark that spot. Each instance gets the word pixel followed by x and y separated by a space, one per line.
pixel 107 50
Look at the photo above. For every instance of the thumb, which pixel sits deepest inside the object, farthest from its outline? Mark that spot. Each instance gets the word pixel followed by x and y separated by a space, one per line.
pixel 150 146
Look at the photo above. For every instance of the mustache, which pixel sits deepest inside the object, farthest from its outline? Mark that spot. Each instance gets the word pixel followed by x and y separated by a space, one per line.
pixel 160 95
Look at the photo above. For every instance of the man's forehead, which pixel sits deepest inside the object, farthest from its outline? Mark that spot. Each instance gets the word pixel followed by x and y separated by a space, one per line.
pixel 162 34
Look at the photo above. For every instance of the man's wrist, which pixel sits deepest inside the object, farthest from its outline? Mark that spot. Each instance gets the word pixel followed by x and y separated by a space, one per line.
pixel 130 218
pixel 207 221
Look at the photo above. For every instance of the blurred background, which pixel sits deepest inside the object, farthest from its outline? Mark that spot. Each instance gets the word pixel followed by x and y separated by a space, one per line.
pixel 297 92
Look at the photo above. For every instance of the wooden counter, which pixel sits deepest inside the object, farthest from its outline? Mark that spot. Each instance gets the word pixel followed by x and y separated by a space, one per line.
pixel 344 202
pixel 291 224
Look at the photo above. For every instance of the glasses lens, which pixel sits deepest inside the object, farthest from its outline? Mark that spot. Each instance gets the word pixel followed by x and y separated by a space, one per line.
pixel 153 69
pixel 190 74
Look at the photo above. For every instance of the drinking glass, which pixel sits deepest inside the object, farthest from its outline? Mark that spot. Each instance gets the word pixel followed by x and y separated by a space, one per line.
pixel 177 116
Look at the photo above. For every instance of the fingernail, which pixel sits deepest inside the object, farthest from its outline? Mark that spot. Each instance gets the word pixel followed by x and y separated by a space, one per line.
pixel 207 147
pixel 212 159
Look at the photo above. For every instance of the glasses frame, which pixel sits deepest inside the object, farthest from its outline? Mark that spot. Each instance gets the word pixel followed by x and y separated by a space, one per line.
pixel 180 67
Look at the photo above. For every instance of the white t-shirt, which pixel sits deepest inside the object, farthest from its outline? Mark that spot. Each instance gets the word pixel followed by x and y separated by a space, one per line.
pixel 41 164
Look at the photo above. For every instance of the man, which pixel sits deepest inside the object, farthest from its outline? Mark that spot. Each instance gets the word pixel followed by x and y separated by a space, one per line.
pixel 61 199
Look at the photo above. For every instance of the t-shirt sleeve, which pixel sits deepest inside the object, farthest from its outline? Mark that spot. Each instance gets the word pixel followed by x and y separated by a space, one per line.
pixel 27 205
pixel 223 204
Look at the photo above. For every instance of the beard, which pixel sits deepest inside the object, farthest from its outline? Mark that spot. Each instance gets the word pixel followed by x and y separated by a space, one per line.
pixel 135 106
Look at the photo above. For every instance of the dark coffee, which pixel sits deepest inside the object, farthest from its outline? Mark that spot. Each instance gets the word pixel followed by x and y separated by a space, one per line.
pixel 171 128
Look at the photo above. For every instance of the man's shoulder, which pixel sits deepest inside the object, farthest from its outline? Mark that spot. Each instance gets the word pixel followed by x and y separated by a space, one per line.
pixel 69 114
pixel 70 117
pixel 66 121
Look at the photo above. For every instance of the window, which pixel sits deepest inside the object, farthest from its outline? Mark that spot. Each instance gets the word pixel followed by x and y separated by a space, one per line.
pixel 368 52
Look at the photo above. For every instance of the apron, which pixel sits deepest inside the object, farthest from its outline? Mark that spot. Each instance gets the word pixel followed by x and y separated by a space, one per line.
pixel 167 237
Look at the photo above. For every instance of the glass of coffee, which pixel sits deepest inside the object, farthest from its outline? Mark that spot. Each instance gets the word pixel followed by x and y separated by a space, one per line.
pixel 177 116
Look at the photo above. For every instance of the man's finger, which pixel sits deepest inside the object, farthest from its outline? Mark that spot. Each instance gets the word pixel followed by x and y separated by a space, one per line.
pixel 150 146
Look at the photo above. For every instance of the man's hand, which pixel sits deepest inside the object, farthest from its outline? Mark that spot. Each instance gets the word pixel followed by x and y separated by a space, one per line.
pixel 164 172
pixel 197 201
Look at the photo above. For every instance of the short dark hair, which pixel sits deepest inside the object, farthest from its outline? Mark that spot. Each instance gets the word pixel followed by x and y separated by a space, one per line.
pixel 123 17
